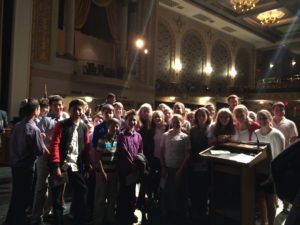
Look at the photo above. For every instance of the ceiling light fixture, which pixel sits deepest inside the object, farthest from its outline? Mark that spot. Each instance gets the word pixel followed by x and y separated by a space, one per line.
pixel 243 5
pixel 270 17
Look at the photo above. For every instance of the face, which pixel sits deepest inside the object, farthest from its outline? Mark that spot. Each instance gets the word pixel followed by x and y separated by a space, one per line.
pixel 178 109
pixel 157 119
pixel 112 129
pixel 240 116
pixel 110 100
pixel 107 114
pixel 168 115
pixel 202 118
pixel 131 122
pixel 278 111
pixel 224 119
pixel 118 111
pixel 37 111
pixel 57 108
pixel 176 123
pixel 212 110
pixel 76 112
pixel 232 103
pixel 45 110
pixel 145 113
pixel 263 120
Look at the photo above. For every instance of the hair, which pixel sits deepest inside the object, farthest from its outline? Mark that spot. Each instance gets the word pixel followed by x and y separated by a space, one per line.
pixel 98 115
pixel 244 110
pixel 181 105
pixel 110 95
pixel 107 107
pixel 204 111
pixel 113 121
pixel 265 113
pixel 279 104
pixel 229 129
pixel 178 116
pixel 44 102
pixel 30 106
pixel 130 113
pixel 55 98
pixel 142 121
pixel 252 115
pixel 118 104
pixel 162 107
pixel 76 102
pixel 231 97
pixel 154 114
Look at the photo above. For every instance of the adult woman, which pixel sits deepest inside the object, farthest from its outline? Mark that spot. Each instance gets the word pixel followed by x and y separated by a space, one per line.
pixel 223 130
pixel 198 170
pixel 244 125
pixel 265 186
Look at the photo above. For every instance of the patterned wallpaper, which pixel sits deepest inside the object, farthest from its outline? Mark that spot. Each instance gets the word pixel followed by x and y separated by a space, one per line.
pixel 242 67
pixel 192 59
pixel 220 63
pixel 164 53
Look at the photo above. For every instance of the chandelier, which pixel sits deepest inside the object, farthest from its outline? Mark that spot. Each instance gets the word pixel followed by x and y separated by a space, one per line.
pixel 243 5
pixel 270 17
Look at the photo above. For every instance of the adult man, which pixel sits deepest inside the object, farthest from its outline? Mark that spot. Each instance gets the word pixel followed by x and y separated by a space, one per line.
pixel 286 126
pixel 26 144
pixel 68 159
pixel 232 101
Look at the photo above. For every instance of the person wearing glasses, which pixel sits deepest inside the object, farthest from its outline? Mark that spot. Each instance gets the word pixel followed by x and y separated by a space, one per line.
pixel 266 198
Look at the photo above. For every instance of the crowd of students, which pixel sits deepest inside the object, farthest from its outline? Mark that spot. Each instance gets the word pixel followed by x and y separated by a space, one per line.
pixel 102 158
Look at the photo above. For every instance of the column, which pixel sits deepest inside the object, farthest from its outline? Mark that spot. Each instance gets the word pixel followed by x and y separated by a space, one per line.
pixel 69 27
pixel 21 55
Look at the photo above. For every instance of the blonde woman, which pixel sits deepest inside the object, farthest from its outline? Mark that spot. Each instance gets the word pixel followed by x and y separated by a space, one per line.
pixel 265 186
pixel 244 125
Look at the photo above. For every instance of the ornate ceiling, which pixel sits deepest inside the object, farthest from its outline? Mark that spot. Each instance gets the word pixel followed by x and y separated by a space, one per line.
pixel 221 15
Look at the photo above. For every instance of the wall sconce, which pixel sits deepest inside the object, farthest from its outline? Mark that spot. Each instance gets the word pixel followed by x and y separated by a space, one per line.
pixel 232 73
pixel 139 43
pixel 177 66
pixel 146 51
pixel 208 69
pixel 271 65
pixel 294 62
pixel 172 98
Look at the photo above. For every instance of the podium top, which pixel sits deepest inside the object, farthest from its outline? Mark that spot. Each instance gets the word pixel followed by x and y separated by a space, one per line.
pixel 237 153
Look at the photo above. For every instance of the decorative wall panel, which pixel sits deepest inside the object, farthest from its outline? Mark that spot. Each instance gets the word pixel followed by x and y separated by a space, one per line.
pixel 220 63
pixel 165 53
pixel 192 60
pixel 242 68
pixel 41 30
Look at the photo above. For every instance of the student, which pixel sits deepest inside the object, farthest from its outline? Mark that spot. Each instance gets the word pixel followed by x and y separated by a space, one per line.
pixel 232 101
pixel 198 168
pixel 106 191
pixel 68 161
pixel 129 145
pixel 244 125
pixel 265 185
pixel 26 143
pixel 175 153
pixel 42 196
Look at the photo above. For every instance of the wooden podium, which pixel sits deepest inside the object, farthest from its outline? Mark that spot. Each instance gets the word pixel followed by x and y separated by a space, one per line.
pixel 233 181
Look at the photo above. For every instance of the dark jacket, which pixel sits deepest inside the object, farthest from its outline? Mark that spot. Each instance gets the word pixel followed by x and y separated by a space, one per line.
pixel 61 140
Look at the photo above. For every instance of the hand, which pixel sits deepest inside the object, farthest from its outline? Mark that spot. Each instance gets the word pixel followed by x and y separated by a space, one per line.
pixel 87 171
pixel 43 135
pixel 178 175
pixel 163 172
pixel 57 172
pixel 103 176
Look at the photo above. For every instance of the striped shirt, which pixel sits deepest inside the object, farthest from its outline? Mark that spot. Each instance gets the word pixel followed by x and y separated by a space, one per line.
pixel 107 148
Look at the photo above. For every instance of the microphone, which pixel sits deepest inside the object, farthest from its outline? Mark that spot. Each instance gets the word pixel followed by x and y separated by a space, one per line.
pixel 257 141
